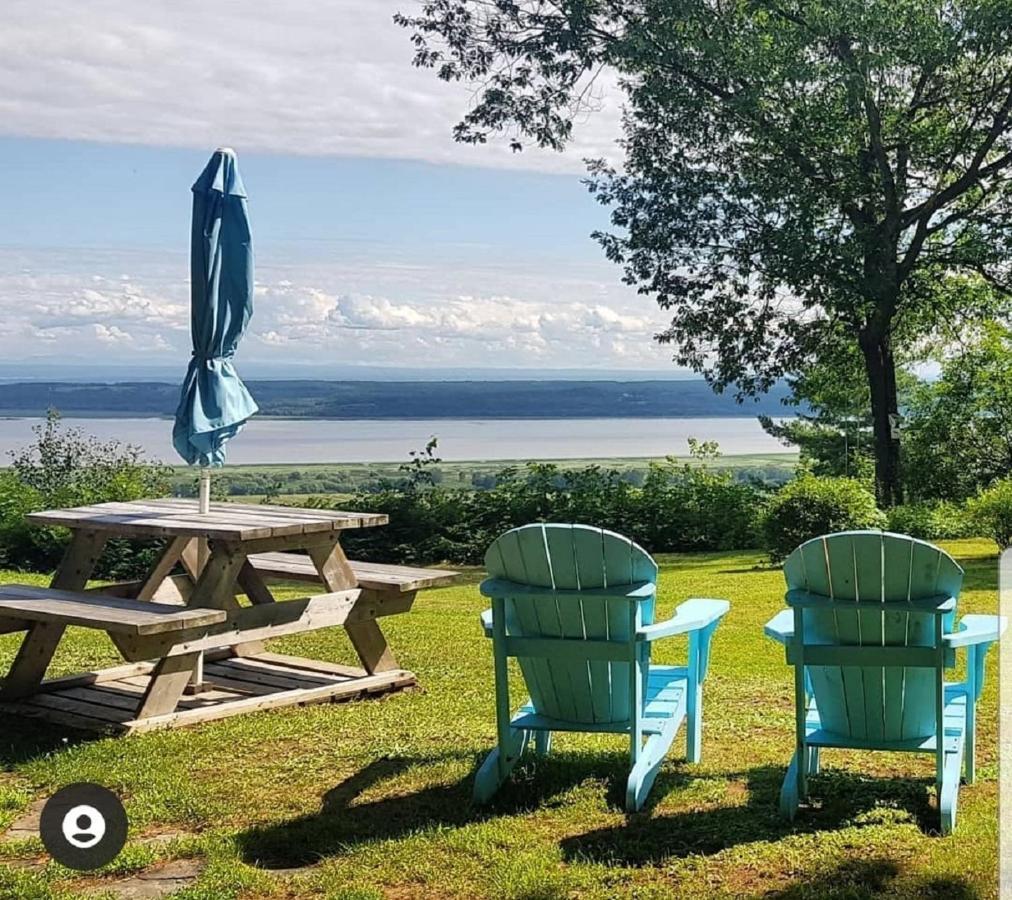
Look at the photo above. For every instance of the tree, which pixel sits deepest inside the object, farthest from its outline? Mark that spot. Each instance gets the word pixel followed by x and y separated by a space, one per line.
pixel 798 174
pixel 959 437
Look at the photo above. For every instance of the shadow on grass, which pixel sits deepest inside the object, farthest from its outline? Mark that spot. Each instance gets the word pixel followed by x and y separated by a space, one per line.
pixel 857 879
pixel 839 801
pixel 24 739
pixel 342 822
pixel 643 839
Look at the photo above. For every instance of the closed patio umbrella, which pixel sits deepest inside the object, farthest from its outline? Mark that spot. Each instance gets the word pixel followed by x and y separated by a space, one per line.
pixel 214 404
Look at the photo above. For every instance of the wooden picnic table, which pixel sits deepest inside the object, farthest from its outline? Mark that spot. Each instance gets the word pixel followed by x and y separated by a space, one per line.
pixel 193 651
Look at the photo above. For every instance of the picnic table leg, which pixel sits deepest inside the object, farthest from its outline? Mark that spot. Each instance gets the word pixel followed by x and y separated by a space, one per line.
pixel 366 637
pixel 169 679
pixel 214 588
pixel 156 576
pixel 37 649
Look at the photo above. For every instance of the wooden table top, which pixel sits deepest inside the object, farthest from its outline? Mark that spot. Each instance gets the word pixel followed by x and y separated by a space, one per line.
pixel 225 521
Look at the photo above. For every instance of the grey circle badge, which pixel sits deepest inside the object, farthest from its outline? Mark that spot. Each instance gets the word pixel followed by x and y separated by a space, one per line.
pixel 83 826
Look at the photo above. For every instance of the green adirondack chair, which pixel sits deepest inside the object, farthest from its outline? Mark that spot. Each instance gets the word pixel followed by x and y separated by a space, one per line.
pixel 870 634
pixel 575 606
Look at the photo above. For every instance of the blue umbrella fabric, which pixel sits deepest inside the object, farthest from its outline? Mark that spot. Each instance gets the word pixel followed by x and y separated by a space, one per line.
pixel 214 404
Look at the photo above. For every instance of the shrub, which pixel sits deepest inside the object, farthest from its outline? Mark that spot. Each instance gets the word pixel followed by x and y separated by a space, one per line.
pixel 991 512
pixel 65 467
pixel 679 507
pixel 938 521
pixel 810 506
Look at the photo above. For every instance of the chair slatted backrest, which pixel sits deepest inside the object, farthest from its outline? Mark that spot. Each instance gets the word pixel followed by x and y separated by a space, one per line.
pixel 574 558
pixel 866 578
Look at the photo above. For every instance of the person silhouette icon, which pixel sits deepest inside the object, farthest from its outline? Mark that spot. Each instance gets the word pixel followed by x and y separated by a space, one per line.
pixel 83 826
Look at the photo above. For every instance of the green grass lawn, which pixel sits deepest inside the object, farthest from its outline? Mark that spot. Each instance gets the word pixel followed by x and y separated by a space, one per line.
pixel 371 799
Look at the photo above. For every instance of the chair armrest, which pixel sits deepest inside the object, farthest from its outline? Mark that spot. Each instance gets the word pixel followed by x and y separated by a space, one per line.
pixel 486 622
pixel 692 615
pixel 781 626
pixel 976 630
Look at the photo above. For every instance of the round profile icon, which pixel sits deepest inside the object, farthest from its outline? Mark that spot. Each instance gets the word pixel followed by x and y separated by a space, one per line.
pixel 83 826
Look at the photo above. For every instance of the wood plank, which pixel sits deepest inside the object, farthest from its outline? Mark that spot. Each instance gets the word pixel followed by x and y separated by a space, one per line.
pixel 127 524
pixel 168 681
pixel 32 660
pixel 375 576
pixel 86 678
pixel 61 717
pixel 366 637
pixel 252 585
pixel 312 665
pixel 111 614
pixel 263 523
pixel 160 570
pixel 301 513
pixel 287 681
pixel 79 560
pixel 281 518
pixel 247 688
pixel 80 707
pixel 247 624
pixel 370 684
pixel 104 696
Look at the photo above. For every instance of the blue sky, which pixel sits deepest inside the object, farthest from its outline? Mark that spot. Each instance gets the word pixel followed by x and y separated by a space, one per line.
pixel 379 241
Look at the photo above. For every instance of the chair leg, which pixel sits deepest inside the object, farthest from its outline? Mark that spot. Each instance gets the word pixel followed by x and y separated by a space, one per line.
pixel 948 790
pixel 498 765
pixel 646 765
pixel 694 724
pixel 542 742
pixel 813 761
pixel 795 784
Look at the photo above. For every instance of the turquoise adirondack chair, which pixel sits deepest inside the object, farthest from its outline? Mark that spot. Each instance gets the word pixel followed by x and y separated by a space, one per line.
pixel 870 634
pixel 575 606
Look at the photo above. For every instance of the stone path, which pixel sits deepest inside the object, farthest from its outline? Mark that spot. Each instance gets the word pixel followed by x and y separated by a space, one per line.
pixel 158 881
pixel 155 882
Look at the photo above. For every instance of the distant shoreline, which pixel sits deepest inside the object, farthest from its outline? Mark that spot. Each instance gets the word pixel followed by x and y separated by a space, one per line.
pixel 377 401
pixel 85 415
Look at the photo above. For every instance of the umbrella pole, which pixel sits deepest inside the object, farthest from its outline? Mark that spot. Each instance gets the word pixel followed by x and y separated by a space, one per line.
pixel 204 507
pixel 205 489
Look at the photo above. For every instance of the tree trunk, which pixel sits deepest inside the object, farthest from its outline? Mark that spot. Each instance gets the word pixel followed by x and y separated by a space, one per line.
pixel 881 369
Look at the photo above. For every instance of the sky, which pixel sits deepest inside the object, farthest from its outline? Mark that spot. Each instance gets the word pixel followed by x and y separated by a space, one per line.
pixel 379 241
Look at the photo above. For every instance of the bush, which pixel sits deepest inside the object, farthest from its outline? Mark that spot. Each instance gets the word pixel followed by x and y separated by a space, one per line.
pixel 65 467
pixel 991 512
pixel 679 507
pixel 810 506
pixel 939 521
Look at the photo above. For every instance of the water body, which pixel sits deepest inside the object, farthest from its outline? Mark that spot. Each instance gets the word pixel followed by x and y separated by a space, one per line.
pixel 267 440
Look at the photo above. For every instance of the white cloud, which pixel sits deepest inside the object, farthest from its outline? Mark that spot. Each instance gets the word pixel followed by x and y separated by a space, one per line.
pixel 300 77
pixel 351 312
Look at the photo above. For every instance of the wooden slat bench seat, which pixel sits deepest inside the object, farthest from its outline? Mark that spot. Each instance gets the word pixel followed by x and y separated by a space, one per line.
pixel 115 615
pixel 371 576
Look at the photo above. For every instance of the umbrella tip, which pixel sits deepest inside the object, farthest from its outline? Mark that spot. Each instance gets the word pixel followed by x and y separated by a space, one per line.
pixel 227 150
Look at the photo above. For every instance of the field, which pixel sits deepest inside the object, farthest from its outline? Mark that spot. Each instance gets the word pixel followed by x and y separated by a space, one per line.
pixel 371 799
pixel 345 478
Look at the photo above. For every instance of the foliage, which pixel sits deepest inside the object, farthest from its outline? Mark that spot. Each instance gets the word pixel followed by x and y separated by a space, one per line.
pixel 797 178
pixel 65 467
pixel 306 479
pixel 991 512
pixel 680 506
pixel 932 521
pixel 959 430
pixel 840 450
pixel 810 506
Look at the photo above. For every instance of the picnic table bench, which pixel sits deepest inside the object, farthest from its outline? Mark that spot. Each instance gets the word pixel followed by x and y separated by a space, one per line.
pixel 193 651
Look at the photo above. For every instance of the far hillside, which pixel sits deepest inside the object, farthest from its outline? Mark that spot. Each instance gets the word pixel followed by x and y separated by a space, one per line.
pixel 406 399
